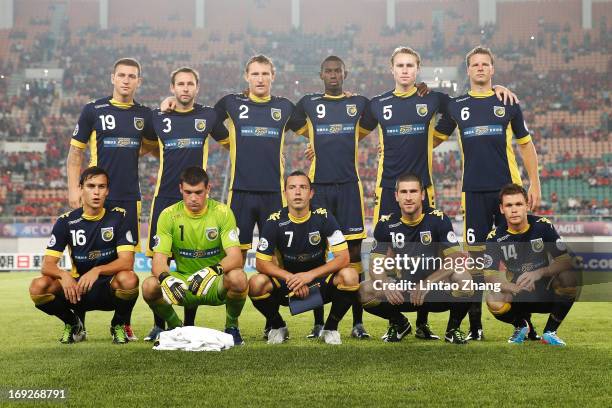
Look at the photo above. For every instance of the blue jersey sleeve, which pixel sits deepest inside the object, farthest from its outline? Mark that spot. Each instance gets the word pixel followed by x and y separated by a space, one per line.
pixel 368 121
pixel 59 238
pixel 519 128
pixel 267 239
pixel 84 127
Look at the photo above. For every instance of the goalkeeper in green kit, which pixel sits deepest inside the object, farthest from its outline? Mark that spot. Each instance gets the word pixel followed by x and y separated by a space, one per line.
pixel 201 235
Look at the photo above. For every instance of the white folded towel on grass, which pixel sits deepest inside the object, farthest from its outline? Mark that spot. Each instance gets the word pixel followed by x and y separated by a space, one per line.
pixel 193 338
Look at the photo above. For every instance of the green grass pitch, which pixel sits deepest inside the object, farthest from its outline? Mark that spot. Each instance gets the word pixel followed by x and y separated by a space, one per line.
pixel 303 372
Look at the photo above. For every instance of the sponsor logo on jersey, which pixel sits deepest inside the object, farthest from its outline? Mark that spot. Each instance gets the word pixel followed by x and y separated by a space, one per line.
pixel 276 114
pixel 314 238
pixel 233 234
pixel 94 255
pixel 107 233
pixel 123 141
pixel 75 221
pixel 405 129
pixel 212 233
pixel 263 244
pixel 499 111
pixel 451 237
pixel 139 123
pixel 421 109
pixel 128 237
pixel 156 241
pixel 200 125
pixel 180 143
pixel 76 130
pixel 537 245
pixel 425 237
pixel 351 110
pixel 335 128
pixel 261 131
pixel 52 241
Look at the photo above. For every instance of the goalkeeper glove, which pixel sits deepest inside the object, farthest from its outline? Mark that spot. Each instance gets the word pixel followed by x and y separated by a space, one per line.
pixel 173 289
pixel 201 281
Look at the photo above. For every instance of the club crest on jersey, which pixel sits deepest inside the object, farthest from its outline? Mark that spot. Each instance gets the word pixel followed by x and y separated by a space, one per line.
pixel 425 237
pixel 276 114
pixel 499 111
pixel 314 238
pixel 107 233
pixel 200 125
pixel 139 123
pixel 351 110
pixel 421 109
pixel 212 234
pixel 537 245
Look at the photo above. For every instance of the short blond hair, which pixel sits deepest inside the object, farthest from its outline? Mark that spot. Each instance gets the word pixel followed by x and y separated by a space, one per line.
pixel 406 50
pixel 479 50
pixel 262 59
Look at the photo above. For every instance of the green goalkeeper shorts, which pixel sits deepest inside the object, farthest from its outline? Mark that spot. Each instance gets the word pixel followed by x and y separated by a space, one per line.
pixel 214 297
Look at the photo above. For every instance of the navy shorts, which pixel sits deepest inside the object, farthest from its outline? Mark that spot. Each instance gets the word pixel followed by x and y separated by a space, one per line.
pixel 345 201
pixel 480 214
pixel 157 206
pixel 132 216
pixel 252 208
pixel 99 297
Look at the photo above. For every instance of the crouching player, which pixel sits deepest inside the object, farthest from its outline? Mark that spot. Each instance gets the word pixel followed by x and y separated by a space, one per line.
pixel 201 235
pixel 102 253
pixel 427 263
pixel 301 238
pixel 532 284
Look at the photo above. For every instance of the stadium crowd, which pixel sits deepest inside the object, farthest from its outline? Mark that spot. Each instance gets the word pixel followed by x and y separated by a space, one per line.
pixel 561 78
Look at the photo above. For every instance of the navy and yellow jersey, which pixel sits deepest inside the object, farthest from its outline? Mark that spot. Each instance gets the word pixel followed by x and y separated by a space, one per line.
pixel 300 244
pixel 91 241
pixel 183 141
pixel 406 125
pixel 256 135
pixel 331 124
pixel 523 251
pixel 114 132
pixel 430 236
pixel 486 127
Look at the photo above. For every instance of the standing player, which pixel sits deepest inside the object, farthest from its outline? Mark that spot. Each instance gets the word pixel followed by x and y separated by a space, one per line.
pixel 332 128
pixel 427 236
pixel 102 252
pixel 113 127
pixel 301 238
pixel 183 140
pixel 200 234
pixel 524 244
pixel 486 130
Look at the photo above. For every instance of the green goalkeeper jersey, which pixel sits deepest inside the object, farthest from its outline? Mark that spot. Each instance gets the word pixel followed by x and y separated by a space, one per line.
pixel 195 240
